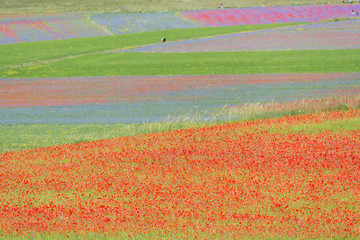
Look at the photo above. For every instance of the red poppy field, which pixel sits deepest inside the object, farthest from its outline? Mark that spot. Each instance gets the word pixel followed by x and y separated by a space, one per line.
pixel 286 177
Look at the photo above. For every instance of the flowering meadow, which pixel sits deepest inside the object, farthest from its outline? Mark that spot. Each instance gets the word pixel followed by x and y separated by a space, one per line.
pixel 35 27
pixel 129 99
pixel 262 179
pixel 119 23
pixel 40 28
pixel 325 36
pixel 264 15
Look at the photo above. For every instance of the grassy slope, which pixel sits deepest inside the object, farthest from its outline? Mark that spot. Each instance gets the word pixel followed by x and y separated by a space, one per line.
pixel 22 136
pixel 11 6
pixel 339 125
pixel 17 137
pixel 127 64
pixel 25 53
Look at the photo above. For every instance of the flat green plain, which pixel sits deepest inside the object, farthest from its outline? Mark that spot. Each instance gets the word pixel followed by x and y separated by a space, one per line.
pixel 132 63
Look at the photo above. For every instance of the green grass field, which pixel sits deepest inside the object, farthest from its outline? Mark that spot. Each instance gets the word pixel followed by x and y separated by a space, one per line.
pixel 127 64
pixel 10 6
pixel 31 53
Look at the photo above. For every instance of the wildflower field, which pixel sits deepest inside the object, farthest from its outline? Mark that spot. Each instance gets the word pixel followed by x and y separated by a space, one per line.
pixel 35 27
pixel 285 177
pixel 244 124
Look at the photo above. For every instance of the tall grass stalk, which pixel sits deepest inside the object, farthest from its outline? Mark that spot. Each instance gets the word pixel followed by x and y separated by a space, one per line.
pixel 251 111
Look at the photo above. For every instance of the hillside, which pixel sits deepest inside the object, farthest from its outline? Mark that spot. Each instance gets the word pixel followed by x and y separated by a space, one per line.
pixel 277 178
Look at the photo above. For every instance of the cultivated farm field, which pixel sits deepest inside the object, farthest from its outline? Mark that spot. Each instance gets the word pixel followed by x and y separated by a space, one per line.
pixel 244 124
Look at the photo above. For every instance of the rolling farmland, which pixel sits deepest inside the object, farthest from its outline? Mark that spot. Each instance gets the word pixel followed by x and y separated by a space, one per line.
pixel 244 124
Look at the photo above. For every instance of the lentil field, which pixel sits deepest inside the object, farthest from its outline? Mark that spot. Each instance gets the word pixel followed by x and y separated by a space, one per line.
pixel 244 124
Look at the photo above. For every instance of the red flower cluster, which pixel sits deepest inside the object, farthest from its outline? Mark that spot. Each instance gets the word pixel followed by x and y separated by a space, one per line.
pixel 237 179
